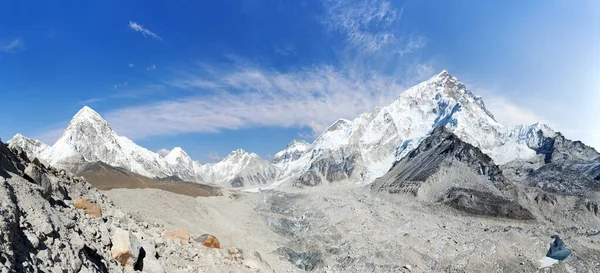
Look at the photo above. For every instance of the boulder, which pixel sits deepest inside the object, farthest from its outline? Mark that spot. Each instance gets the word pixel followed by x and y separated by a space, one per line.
pixel 208 241
pixel 152 265
pixel 37 176
pixel 90 208
pixel 125 248
pixel 181 235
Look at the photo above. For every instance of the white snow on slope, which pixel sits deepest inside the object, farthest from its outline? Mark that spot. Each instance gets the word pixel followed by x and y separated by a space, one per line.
pixel 292 152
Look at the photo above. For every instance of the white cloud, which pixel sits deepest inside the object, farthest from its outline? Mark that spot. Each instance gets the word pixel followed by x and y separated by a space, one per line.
pixel 413 44
pixel 131 65
pixel 146 32
pixel 367 24
pixel 90 101
pixel 510 113
pixel 13 46
pixel 163 152
pixel 251 96
pixel 151 67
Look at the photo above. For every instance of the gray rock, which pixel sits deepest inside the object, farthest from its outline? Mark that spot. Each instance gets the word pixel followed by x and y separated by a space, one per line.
pixel 40 178
pixel 125 248
pixel 32 238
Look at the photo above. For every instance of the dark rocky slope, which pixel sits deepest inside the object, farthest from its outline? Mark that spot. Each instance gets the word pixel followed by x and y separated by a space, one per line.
pixel 444 169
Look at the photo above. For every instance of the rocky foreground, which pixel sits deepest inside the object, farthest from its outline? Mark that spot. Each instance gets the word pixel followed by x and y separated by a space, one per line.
pixel 52 222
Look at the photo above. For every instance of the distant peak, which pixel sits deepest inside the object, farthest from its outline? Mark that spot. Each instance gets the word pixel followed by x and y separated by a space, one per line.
pixel 443 73
pixel 175 153
pixel 298 142
pixel 442 77
pixel 88 114
pixel 339 124
pixel 87 111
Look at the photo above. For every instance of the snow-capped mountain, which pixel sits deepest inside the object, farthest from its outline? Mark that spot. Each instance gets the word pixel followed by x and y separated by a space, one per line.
pixel 240 169
pixel 32 147
pixel 181 165
pixel 292 152
pixel 89 138
pixel 366 147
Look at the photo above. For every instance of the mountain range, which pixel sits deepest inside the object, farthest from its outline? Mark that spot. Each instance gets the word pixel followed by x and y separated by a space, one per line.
pixel 362 149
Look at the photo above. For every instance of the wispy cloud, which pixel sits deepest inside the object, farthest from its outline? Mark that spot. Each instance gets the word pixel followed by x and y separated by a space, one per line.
pixel 163 152
pixel 285 49
pixel 131 65
pixel 413 44
pixel 151 67
pixel 509 113
pixel 251 96
pixel 146 32
pixel 368 25
pixel 121 85
pixel 12 46
pixel 90 101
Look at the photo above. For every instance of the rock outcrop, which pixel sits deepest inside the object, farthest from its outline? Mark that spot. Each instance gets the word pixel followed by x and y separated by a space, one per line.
pixel 445 169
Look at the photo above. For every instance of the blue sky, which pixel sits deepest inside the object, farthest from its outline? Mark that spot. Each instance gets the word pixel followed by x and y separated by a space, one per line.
pixel 214 76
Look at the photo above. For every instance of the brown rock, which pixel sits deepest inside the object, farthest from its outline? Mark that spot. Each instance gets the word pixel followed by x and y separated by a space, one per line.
pixel 209 241
pixel 89 207
pixel 182 235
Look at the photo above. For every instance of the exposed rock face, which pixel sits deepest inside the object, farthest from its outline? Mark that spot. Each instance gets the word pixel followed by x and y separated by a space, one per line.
pixel 563 166
pixel 445 169
pixel 9 162
pixel 485 203
pixel 125 248
pixel 40 178
pixel 329 167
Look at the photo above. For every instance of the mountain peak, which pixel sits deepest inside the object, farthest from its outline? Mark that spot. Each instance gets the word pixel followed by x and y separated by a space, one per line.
pixel 176 155
pixel 298 143
pixel 86 112
pixel 87 115
pixel 237 152
pixel 177 152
